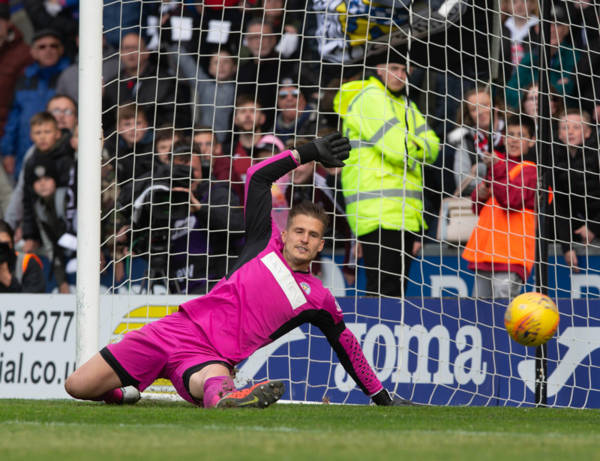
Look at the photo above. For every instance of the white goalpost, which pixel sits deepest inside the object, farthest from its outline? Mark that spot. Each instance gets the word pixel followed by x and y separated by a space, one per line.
pixel 183 97
pixel 88 176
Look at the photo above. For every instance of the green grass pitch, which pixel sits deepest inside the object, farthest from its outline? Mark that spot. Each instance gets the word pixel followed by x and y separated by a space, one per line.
pixel 65 430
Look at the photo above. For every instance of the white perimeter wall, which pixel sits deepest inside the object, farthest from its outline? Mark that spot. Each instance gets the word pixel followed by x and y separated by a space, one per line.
pixel 37 337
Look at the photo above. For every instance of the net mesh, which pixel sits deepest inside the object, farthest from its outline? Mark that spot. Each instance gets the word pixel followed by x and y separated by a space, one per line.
pixel 194 93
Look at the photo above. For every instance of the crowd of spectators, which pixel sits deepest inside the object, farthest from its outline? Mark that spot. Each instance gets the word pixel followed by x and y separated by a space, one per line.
pixel 196 92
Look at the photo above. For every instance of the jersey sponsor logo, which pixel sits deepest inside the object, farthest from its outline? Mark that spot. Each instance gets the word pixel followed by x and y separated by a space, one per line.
pixel 306 287
pixel 284 279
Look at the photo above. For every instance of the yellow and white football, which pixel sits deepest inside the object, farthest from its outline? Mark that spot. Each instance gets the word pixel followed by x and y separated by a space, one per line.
pixel 531 319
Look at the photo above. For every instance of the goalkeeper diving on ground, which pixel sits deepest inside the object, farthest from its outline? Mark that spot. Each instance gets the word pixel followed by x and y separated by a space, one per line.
pixel 269 292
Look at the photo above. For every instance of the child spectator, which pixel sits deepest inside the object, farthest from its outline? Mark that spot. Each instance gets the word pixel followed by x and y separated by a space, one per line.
pixel 576 184
pixel 50 204
pixel 113 229
pixel 131 147
pixel 52 146
pixel 64 110
pixel 164 140
pixel 501 249
pixel 214 90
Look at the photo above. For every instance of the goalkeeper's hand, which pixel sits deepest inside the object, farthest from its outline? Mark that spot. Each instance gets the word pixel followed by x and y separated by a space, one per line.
pixel 383 398
pixel 330 150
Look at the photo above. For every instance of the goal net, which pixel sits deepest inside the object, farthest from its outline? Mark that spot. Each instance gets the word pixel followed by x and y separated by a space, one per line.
pixel 494 129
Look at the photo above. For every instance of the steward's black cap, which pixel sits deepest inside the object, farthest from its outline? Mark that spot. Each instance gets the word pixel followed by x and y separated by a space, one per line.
pixel 385 54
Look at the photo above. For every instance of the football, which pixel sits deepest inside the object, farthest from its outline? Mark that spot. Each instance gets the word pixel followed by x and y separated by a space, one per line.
pixel 531 319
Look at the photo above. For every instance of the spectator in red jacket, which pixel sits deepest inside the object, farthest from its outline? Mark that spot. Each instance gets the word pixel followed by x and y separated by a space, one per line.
pixel 501 249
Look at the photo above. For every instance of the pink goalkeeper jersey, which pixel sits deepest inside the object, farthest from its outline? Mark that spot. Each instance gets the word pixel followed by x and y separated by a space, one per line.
pixel 263 298
pixel 245 311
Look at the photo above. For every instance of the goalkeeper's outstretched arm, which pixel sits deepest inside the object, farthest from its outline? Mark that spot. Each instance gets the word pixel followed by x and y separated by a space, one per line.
pixel 329 320
pixel 351 356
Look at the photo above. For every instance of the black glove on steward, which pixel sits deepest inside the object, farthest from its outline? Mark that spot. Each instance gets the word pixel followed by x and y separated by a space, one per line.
pixel 383 398
pixel 330 150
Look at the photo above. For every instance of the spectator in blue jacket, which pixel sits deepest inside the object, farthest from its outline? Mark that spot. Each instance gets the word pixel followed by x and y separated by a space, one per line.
pixel 31 96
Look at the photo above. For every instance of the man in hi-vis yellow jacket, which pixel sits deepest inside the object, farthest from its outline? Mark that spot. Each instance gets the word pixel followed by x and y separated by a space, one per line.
pixel 383 178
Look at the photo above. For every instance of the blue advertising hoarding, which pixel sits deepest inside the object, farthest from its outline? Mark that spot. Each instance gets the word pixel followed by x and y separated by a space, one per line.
pixel 442 348
pixel 448 275
pixel 446 351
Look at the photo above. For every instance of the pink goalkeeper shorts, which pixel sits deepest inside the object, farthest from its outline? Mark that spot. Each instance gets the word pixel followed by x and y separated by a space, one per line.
pixel 172 347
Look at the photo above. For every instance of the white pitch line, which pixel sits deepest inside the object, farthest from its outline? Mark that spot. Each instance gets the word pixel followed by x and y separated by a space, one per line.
pixel 286 429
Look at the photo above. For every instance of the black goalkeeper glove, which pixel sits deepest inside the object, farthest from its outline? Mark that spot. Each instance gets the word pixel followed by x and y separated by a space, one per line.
pixel 383 398
pixel 330 151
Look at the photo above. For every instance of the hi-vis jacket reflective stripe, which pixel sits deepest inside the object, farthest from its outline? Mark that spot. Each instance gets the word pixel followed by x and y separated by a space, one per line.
pixel 382 180
pixel 503 236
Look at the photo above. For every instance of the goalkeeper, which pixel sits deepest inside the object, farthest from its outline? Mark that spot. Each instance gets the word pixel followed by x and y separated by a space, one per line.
pixel 269 292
